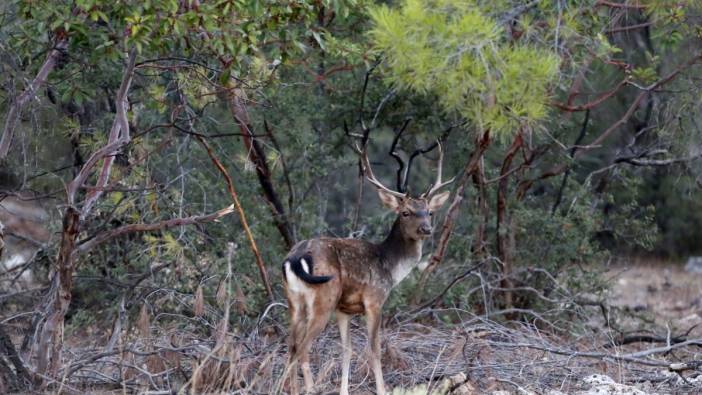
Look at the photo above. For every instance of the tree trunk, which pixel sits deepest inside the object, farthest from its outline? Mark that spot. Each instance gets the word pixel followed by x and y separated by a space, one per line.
pixel 257 156
pixel 17 379
pixel 503 228
pixel 480 242
pixel 50 340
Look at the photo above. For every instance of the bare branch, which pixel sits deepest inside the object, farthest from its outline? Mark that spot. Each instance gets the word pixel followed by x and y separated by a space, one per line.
pixel 242 216
pixel 132 228
pixel 115 142
pixel 586 106
pixel 401 170
pixel 637 161
pixel 365 165
pixel 16 108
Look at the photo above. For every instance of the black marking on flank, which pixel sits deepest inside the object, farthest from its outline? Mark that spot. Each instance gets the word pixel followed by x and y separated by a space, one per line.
pixel 299 270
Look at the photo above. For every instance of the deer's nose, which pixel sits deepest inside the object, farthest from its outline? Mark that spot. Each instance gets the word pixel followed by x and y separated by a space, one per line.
pixel 425 229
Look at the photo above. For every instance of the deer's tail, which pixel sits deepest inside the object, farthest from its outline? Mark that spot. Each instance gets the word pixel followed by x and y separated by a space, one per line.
pixel 302 267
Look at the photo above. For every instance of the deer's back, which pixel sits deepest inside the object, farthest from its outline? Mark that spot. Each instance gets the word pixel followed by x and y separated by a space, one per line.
pixel 357 267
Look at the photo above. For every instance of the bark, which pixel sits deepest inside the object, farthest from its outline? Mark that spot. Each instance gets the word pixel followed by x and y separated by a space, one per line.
pixel 503 226
pixel 50 342
pixel 480 243
pixel 257 156
pixel 30 92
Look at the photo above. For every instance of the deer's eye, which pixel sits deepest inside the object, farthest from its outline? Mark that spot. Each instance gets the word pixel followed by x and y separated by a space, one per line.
pixel 431 213
pixel 405 213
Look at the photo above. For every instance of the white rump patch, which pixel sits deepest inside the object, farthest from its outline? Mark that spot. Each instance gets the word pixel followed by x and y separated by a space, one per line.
pixel 295 284
pixel 305 266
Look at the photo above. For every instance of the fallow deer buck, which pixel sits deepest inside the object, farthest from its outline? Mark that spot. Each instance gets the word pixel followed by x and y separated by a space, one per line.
pixel 351 276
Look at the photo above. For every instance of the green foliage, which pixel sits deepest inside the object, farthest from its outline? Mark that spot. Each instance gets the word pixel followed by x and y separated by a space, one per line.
pixel 495 64
pixel 450 49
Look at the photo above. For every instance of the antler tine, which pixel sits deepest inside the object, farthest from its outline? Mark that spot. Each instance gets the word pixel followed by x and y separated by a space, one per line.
pixel 365 163
pixel 438 184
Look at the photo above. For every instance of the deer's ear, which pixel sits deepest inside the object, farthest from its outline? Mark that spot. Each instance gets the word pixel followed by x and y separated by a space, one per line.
pixel 389 200
pixel 438 200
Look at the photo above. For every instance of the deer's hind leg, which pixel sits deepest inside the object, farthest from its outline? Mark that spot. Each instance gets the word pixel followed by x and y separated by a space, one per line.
pixel 319 308
pixel 298 323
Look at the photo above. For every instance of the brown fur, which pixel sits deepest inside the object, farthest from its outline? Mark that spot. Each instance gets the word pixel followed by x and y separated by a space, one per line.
pixel 362 276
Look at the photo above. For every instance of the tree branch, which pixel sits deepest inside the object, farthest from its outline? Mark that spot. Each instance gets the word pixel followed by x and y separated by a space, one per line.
pixel 132 228
pixel 31 90
pixel 242 215
pixel 115 142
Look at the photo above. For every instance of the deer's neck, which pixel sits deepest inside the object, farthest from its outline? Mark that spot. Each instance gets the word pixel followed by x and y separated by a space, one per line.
pixel 400 254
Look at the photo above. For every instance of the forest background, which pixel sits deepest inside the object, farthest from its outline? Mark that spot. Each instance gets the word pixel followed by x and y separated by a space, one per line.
pixel 160 157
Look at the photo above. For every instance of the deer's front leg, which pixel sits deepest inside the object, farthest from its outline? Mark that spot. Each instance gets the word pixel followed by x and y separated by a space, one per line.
pixel 373 322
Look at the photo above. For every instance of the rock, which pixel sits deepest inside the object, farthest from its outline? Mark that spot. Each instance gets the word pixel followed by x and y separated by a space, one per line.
pixel 605 385
pixel 694 264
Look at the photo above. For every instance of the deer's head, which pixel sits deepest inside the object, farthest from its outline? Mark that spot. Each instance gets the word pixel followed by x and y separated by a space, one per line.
pixel 414 214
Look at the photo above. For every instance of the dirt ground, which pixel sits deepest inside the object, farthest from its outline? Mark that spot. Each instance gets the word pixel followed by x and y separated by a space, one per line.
pixel 660 293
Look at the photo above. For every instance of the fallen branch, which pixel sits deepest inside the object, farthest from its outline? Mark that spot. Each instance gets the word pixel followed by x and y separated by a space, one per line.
pixel 644 339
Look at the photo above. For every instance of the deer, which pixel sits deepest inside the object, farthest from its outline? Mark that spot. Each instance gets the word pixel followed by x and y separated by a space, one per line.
pixel 353 276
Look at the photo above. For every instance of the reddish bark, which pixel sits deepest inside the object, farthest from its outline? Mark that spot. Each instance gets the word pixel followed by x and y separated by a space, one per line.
pixel 51 337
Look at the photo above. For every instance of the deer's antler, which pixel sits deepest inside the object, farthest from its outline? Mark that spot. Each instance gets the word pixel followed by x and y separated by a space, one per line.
pixel 438 184
pixel 362 152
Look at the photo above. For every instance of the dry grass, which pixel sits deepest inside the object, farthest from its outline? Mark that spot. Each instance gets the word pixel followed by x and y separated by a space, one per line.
pixel 195 352
pixel 515 358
